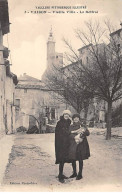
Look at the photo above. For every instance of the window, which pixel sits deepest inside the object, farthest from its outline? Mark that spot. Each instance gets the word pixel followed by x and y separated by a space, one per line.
pixel 87 59
pixel 17 102
pixel 47 112
pixel 52 113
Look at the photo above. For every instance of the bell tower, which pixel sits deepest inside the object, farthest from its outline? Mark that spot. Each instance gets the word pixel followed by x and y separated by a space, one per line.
pixel 50 49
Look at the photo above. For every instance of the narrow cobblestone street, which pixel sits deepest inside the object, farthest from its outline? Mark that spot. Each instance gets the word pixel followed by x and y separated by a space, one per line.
pixel 31 165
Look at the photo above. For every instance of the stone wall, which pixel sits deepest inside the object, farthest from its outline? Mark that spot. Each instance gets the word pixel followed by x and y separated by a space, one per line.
pixel 2 87
pixel 7 88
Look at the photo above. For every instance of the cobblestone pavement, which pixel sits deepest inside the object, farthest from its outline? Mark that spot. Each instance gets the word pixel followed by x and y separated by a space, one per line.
pixel 31 166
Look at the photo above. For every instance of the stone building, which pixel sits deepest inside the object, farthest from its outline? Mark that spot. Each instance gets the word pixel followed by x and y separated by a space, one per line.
pixel 116 37
pixel 7 79
pixel 33 102
pixel 96 109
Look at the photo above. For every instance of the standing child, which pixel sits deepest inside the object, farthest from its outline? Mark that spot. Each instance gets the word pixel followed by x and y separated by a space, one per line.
pixel 79 147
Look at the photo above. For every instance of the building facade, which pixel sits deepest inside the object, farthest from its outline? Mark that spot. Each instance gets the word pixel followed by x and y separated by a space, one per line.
pixel 34 103
pixel 8 80
pixel 116 37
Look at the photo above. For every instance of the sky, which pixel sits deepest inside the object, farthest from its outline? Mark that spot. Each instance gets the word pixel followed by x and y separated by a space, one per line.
pixel 29 32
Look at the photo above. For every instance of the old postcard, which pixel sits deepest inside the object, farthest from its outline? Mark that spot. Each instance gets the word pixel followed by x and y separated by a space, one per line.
pixel 60 95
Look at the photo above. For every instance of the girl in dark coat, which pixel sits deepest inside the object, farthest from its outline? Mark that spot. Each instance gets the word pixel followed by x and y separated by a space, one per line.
pixel 78 151
pixel 62 142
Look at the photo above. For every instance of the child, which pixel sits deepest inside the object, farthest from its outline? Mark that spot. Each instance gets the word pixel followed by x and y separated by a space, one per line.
pixel 79 147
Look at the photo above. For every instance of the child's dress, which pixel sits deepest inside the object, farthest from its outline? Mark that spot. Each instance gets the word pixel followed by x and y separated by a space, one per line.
pixel 78 151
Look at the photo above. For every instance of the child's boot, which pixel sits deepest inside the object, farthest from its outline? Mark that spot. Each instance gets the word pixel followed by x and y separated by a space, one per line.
pixel 79 176
pixel 74 170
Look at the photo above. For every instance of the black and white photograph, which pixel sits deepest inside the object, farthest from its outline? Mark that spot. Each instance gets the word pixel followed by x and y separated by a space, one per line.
pixel 60 96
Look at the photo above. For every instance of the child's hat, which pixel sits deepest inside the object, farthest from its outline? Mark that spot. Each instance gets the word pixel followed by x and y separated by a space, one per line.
pixel 67 112
pixel 76 115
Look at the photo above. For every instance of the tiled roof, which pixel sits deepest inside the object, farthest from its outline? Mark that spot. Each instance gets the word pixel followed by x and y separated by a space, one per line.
pixel 26 77
pixel 36 87
pixel 29 86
